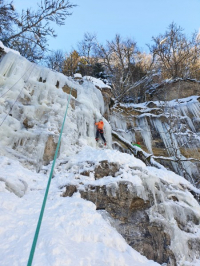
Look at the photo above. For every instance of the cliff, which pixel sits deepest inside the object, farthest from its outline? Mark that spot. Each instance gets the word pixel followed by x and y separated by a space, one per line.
pixel 94 191
pixel 167 128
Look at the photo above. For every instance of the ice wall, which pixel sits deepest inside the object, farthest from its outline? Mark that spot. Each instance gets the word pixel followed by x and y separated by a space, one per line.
pixel 120 125
pixel 33 106
pixel 172 126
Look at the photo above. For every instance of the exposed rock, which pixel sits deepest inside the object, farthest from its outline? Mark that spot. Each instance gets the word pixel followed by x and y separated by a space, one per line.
pixel 57 84
pixel 28 123
pixel 151 105
pixel 194 244
pixel 70 190
pixel 49 150
pixel 67 90
pixel 119 200
pixel 174 198
pixel 156 239
pixel 107 96
pixel 85 173
pixel 2 52
pixel 106 169
pixel 175 90
pixel 128 214
pixel 73 103
pixel 42 80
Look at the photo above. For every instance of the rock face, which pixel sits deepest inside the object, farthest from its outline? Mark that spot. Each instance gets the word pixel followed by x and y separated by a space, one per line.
pixel 130 208
pixel 168 130
pixel 128 214
pixel 177 89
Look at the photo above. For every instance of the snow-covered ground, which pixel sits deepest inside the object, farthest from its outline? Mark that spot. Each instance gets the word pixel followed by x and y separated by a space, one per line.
pixel 72 231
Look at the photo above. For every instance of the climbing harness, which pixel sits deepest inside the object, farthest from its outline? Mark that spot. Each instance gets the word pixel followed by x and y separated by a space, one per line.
pixel 46 192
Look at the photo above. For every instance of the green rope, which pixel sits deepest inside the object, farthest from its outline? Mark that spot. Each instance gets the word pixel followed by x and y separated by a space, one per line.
pixel 46 192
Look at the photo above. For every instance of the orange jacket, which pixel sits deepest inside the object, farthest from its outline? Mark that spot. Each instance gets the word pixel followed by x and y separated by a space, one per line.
pixel 99 125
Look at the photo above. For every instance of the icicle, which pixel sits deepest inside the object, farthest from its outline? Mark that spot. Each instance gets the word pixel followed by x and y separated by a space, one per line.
pixel 184 110
pixel 145 132
pixel 194 108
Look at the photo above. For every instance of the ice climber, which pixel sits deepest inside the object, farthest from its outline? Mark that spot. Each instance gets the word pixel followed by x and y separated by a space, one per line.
pixel 136 144
pixel 100 126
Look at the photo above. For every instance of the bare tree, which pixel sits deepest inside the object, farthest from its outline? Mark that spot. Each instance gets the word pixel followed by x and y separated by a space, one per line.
pixel 120 59
pixel 86 46
pixel 8 17
pixel 33 27
pixel 55 60
pixel 86 50
pixel 174 53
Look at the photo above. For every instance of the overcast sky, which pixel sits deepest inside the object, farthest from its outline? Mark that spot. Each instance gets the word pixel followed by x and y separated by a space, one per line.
pixel 137 19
